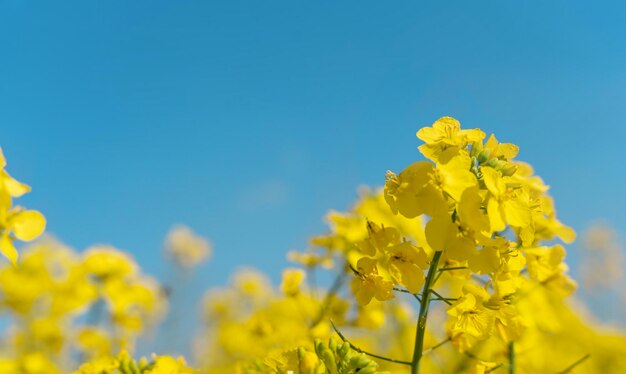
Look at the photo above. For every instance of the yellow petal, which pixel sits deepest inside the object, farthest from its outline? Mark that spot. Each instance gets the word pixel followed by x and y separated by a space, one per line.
pixel 366 265
pixel 493 181
pixel 470 211
pixel 8 249
pixel 506 150
pixel 472 135
pixel 495 217
pixel 5 205
pixel 28 224
pixel 443 129
pixel 362 294
pixel 411 193
pixel 429 135
pixel 439 231
pixel 566 233
pixel 460 249
pixel 454 169
pixel 486 261
pixel 15 188
pixel 412 276
pixel 517 212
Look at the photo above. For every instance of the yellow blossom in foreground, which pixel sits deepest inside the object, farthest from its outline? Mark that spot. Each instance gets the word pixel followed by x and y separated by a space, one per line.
pixel 15 222
pixel 446 133
pixel 368 284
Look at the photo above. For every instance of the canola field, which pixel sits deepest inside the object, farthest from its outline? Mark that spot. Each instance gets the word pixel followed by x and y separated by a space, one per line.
pixel 457 265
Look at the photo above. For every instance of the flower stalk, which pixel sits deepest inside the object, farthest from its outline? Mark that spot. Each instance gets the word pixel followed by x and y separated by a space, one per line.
pixel 511 358
pixel 423 313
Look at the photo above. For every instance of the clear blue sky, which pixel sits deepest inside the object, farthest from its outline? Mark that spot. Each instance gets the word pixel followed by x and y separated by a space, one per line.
pixel 248 121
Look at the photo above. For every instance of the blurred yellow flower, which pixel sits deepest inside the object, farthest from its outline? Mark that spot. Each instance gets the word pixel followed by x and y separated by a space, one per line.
pixel 292 280
pixel 186 248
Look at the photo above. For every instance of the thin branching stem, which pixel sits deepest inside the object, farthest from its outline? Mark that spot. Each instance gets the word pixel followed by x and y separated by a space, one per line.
pixel 494 368
pixel 415 295
pixel 576 363
pixel 453 268
pixel 444 299
pixel 332 291
pixel 343 338
pixel 427 351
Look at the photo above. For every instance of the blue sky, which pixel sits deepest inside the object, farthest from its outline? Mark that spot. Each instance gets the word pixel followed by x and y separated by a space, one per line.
pixel 248 121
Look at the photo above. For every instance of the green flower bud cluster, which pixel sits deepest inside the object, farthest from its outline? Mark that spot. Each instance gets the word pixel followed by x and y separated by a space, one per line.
pixel 339 358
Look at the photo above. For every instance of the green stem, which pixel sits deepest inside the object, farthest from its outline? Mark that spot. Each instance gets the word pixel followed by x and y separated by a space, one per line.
pixel 416 296
pixel 354 347
pixel 511 358
pixel 436 346
pixel 332 291
pixel 572 366
pixel 453 268
pixel 444 299
pixel 423 314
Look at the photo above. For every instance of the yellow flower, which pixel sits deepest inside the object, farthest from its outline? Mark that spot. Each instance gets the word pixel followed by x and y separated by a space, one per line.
pixel 446 132
pixel 496 255
pixel 472 215
pixel 9 185
pixel 38 363
pixel 368 284
pixel 107 262
pixel 406 263
pixel 169 365
pixel 469 318
pixel 25 225
pixel 413 193
pixel 506 204
pixel 453 175
pixel 74 292
pixel 547 226
pixel 371 316
pixel 94 341
pixel 310 259
pixel 101 365
pixel 483 367
pixel 133 302
pixel 252 283
pixel 309 362
pixel 187 248
pixel 546 265
pixel 443 235
pixel 508 324
pixel 292 280
pixel 496 155
pixel 347 229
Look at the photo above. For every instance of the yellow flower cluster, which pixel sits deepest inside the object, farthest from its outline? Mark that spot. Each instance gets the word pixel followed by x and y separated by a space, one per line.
pixel 93 303
pixel 548 335
pixel 471 227
pixel 488 214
